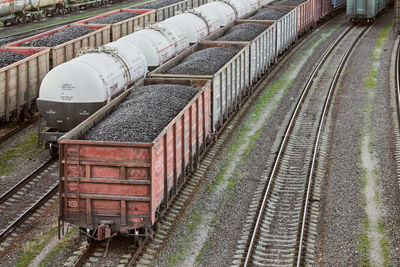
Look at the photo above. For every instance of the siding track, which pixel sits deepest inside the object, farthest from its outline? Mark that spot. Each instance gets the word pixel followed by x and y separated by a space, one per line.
pixel 277 230
pixel 22 200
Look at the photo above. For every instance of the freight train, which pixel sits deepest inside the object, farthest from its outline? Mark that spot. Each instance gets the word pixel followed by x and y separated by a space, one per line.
pixel 20 79
pixel 123 184
pixel 365 10
pixel 24 11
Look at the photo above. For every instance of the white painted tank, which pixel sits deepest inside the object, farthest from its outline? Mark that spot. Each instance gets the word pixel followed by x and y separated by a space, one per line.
pixel 225 12
pixel 179 37
pixel 194 26
pixel 253 4
pixel 156 47
pixel 132 57
pixel 37 4
pixel 10 7
pixel 73 91
pixel 241 8
pixel 210 15
pixel 264 2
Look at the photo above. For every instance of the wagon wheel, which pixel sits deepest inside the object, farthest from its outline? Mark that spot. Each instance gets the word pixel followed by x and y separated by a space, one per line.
pixel 61 11
pixel 53 150
pixel 39 17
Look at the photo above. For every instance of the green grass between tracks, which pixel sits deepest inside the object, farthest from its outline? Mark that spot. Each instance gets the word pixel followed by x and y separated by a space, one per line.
pixel 15 157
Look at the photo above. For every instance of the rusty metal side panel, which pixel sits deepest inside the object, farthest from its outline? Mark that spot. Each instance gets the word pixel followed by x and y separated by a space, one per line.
pixel 175 150
pixel 103 182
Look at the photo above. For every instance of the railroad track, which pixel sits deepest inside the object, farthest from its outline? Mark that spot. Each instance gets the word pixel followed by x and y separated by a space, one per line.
pixel 395 96
pixel 278 220
pixel 92 253
pixel 11 128
pixel 23 199
pixel 5 39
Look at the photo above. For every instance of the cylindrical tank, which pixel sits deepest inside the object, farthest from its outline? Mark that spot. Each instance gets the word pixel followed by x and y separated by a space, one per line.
pixel 155 46
pixel 194 26
pixel 179 37
pixel 209 15
pixel 241 8
pixel 132 57
pixel 225 12
pixel 11 7
pixel 253 4
pixel 73 91
pixel 38 4
pixel 264 2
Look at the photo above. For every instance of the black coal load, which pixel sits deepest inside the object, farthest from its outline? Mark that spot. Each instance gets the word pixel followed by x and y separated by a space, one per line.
pixel 59 37
pixel 288 2
pixel 144 114
pixel 243 32
pixel 114 18
pixel 156 4
pixel 270 13
pixel 204 62
pixel 9 57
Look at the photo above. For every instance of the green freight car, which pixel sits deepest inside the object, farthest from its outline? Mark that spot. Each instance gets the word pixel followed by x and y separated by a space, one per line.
pixel 365 10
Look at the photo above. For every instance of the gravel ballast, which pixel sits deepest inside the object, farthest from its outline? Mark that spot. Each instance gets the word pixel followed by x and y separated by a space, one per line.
pixel 59 37
pixel 243 32
pixel 8 58
pixel 204 62
pixel 271 13
pixel 114 18
pixel 156 4
pixel 143 114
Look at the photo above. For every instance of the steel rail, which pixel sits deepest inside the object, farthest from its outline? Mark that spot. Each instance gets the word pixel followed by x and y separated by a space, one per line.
pixel 285 139
pixel 26 180
pixel 317 141
pixel 17 129
pixel 397 77
pixel 27 213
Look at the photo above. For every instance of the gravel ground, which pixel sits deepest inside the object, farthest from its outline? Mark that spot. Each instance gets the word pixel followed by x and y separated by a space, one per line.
pixel 243 32
pixel 204 62
pixel 59 37
pixel 143 114
pixel 156 4
pixel 271 13
pixel 384 145
pixel 8 58
pixel 7 181
pixel 114 18
pixel 232 209
pixel 40 223
pixel 341 211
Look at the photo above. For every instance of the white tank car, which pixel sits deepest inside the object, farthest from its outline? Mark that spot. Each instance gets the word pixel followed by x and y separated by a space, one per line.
pixel 194 26
pixel 223 11
pixel 9 7
pixel 253 4
pixel 209 15
pixel 37 4
pixel 156 47
pixel 179 37
pixel 240 7
pixel 73 91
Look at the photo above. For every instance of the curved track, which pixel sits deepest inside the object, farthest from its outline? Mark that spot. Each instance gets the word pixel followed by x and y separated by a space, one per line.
pixel 22 200
pixel 278 235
